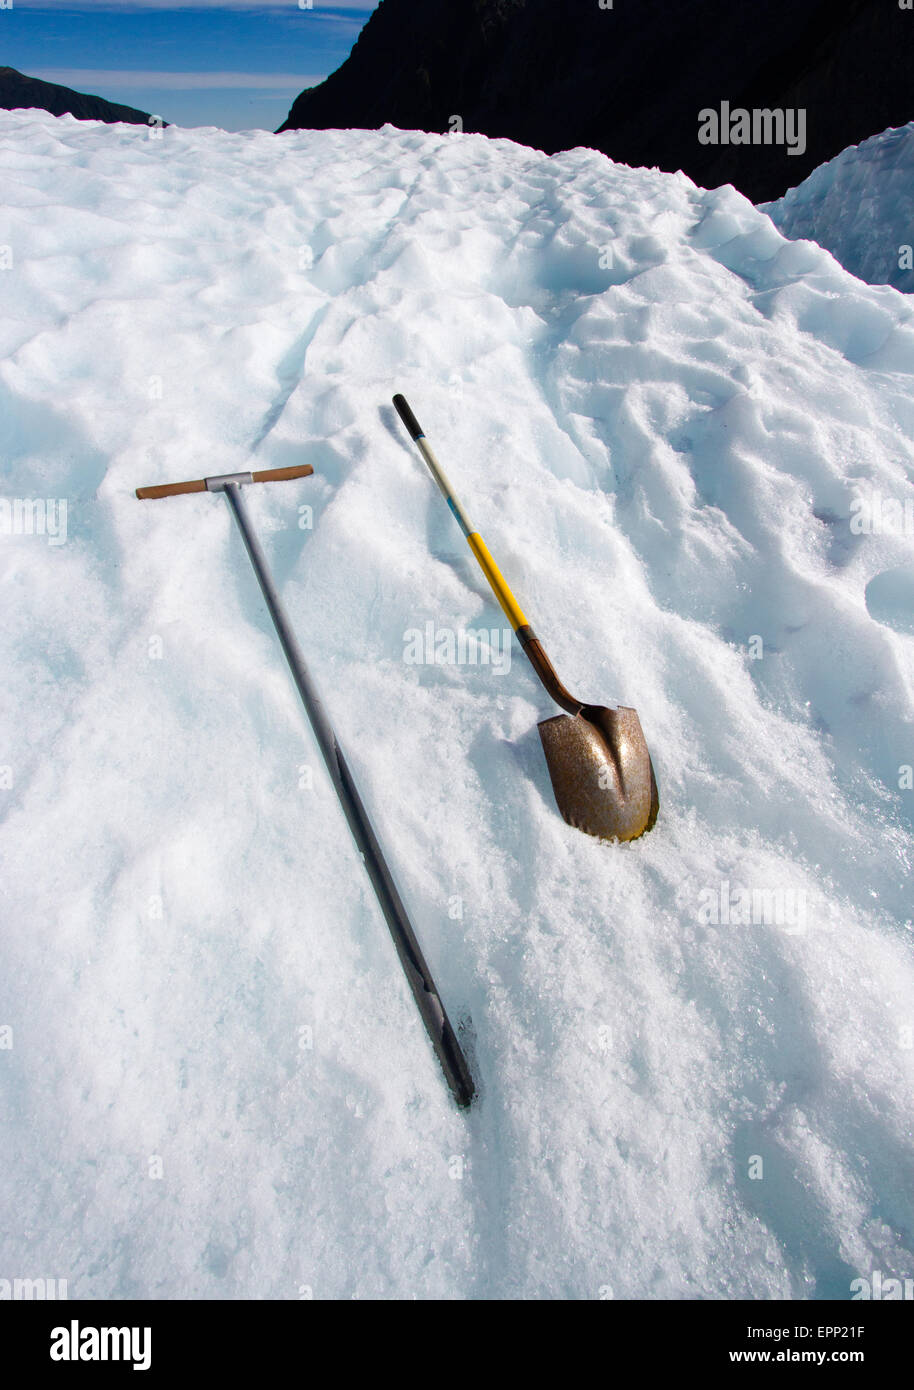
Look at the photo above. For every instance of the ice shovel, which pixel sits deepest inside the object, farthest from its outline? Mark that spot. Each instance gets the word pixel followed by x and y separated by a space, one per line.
pixel 425 992
pixel 597 758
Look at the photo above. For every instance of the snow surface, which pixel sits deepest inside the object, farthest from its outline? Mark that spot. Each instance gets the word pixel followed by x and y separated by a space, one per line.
pixel 659 413
pixel 860 205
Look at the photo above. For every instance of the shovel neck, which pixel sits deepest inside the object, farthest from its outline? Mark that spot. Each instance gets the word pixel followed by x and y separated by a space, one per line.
pixel 544 668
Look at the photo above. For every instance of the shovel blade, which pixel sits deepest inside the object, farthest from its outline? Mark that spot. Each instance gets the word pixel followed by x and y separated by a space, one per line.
pixel 601 771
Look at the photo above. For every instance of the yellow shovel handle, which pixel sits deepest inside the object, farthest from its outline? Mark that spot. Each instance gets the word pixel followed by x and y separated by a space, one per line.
pixel 512 609
pixel 509 603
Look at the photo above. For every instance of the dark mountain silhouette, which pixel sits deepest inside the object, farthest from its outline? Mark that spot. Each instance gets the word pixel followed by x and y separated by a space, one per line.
pixel 632 79
pixel 16 89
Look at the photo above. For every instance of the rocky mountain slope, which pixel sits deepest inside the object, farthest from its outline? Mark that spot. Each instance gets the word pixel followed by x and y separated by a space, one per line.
pixel 18 90
pixel 629 80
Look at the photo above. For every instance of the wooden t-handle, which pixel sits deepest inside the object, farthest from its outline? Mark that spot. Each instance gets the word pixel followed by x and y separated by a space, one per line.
pixel 264 475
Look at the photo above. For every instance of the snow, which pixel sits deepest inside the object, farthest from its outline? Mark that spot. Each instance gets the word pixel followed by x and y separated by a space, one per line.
pixel 860 205
pixel 661 415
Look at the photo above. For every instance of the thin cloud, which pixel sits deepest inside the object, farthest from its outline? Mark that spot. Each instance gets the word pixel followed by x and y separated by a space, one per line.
pixel 86 79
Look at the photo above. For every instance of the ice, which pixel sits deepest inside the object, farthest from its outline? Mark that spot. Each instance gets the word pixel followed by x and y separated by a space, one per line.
pixel 663 417
pixel 890 598
pixel 860 205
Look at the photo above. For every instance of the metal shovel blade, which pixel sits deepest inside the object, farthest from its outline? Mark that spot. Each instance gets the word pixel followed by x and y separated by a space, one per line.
pixel 601 771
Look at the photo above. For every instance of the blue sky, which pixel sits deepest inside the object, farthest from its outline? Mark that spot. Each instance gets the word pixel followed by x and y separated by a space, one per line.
pixel 234 63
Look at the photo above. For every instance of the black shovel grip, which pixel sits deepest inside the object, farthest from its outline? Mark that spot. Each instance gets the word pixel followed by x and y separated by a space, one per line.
pixel 406 415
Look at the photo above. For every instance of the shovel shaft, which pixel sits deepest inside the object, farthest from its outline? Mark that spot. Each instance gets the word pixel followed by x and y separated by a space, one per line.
pixel 512 610
pixel 510 606
pixel 425 993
